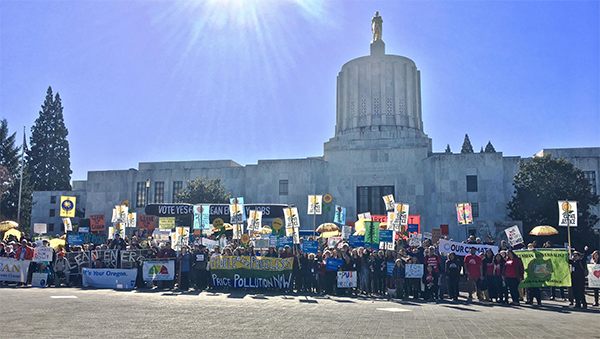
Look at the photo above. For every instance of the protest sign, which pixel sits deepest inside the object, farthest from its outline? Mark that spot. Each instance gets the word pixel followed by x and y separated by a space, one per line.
pixel 236 213
pixel 310 246
pixel 315 204
pixel 201 217
pixel 464 213
pixel 415 240
pixel 251 272
pixel 97 223
pixel 545 268
pixel 356 241
pixel 389 268
pixel 364 216
pixel 146 222
pixel 39 228
pixel 401 215
pixel 294 233
pixel 346 231
pixel 42 254
pixel 262 244
pixel 254 220
pixel 75 238
pixel 414 270
pixel 67 206
pixel 462 249
pixel 514 235
pixel 166 223
pixel 333 264
pixel 389 202
pixel 386 235
pixel 346 279
pixel 80 229
pixel 284 241
pixel 427 235
pixel 68 226
pixel 109 278
pixel 333 241
pixel 372 233
pixel 13 270
pixel 567 213
pixel 210 244
pixel 593 275
pixel 158 270
pixel 39 279
pixel 131 220
pixel 292 219
pixel 339 216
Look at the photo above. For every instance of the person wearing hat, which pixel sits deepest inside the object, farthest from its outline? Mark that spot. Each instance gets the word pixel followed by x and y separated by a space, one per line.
pixel 578 274
pixel 199 264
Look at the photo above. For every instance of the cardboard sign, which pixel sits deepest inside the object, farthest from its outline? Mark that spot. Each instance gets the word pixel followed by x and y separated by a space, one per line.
pixel 464 213
pixel 346 279
pixel 567 213
pixel 594 275
pixel 514 235
pixel 389 202
pixel 166 223
pixel 415 240
pixel 414 270
pixel 97 223
pixel 39 228
pixel 42 254
pixel 315 205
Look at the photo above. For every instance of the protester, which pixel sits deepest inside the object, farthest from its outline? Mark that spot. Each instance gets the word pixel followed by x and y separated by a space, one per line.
pixel 578 276
pixel 513 275
pixel 473 269
pixel 453 276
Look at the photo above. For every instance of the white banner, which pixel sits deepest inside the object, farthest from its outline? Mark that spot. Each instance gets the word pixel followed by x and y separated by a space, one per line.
pixel 346 279
pixel 39 228
pixel 514 235
pixel 315 204
pixel 461 249
pixel 13 270
pixel 42 254
pixel 210 244
pixel 567 213
pixel 159 270
pixel 594 275
pixel 109 278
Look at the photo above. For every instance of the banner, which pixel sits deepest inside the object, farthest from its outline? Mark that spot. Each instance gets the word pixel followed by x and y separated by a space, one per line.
pixel 39 228
pixel 413 271
pixel 514 235
pixel 97 223
pixel 594 275
pixel 315 204
pixel 147 222
pixel 67 206
pixel 166 223
pixel 251 272
pixel 201 217
pixel 389 202
pixel 346 279
pixel 567 213
pixel 462 249
pixel 545 268
pixel 109 278
pixel 158 270
pixel 464 213
pixel 254 220
pixel 372 233
pixel 13 270
pixel 41 254
pixel 310 246
pixel 339 217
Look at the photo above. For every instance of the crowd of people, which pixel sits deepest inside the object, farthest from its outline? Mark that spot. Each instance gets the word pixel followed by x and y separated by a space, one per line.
pixel 491 277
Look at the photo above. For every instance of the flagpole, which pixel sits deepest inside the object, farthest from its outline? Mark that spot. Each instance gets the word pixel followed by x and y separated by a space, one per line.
pixel 21 179
pixel 568 212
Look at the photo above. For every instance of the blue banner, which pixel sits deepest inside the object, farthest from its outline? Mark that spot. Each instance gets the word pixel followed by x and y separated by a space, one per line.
pixel 109 278
pixel 333 264
pixel 413 228
pixel 310 246
pixel 340 215
pixel 386 236
pixel 283 241
pixel 356 241
pixel 75 238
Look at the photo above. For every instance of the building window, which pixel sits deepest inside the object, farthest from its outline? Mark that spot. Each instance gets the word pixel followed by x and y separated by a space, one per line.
pixel 50 228
pixel 471 183
pixel 140 194
pixel 177 188
pixel 475 209
pixel 591 177
pixel 159 192
pixel 283 187
pixel 369 199
pixel 52 213
pixel 53 199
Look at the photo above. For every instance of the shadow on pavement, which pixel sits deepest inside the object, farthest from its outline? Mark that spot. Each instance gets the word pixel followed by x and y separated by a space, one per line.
pixel 460 308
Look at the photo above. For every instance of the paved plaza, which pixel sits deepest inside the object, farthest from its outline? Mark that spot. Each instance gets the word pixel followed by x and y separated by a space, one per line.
pixel 66 312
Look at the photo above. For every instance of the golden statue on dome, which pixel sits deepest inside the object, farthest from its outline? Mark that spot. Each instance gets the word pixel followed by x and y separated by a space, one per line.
pixel 377 27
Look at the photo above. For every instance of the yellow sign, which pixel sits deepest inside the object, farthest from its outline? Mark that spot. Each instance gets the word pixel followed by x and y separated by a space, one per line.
pixel 218 223
pixel 327 198
pixel 166 223
pixel 277 224
pixel 67 206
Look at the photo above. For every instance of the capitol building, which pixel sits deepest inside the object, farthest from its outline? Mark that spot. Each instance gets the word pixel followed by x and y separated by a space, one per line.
pixel 379 147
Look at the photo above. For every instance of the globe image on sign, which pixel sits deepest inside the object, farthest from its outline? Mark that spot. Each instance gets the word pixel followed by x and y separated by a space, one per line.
pixel 67 205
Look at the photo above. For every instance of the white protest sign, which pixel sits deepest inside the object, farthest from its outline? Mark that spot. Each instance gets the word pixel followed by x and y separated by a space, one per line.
pixel 42 254
pixel 158 270
pixel 364 216
pixel 462 249
pixel 209 243
pixel 67 223
pixel 594 275
pixel 39 228
pixel 427 235
pixel 292 220
pixel 346 231
pixel 39 279
pixel 333 241
pixel 567 213
pixel 413 270
pixel 254 220
pixel 514 235
pixel 389 202
pixel 415 240
pixel 315 203
pixel 346 279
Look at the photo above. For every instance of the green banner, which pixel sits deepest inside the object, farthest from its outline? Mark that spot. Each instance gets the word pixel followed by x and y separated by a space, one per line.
pixel 251 272
pixel 372 233
pixel 545 268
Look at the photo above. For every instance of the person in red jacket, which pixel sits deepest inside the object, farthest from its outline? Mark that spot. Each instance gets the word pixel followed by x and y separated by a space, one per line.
pixel 513 275
pixel 474 270
pixel 24 252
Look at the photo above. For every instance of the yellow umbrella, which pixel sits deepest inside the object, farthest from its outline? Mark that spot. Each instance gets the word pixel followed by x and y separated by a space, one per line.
pixel 543 230
pixel 265 230
pixel 12 231
pixel 7 225
pixel 326 235
pixel 327 227
pixel 54 243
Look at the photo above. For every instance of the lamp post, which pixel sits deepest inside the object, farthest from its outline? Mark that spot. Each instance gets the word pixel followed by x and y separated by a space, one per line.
pixel 147 191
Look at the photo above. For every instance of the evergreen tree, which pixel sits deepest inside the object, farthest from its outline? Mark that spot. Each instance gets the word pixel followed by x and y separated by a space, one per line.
pixel 9 153
pixel 49 157
pixel 9 160
pixel 448 151
pixel 467 147
pixel 489 148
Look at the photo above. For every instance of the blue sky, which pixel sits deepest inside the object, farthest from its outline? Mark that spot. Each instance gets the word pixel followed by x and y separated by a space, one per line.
pixel 255 79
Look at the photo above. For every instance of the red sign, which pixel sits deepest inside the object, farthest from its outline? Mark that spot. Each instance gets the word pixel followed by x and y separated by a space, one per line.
pixel 97 223
pixel 444 229
pixel 147 222
pixel 378 218
pixel 414 220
